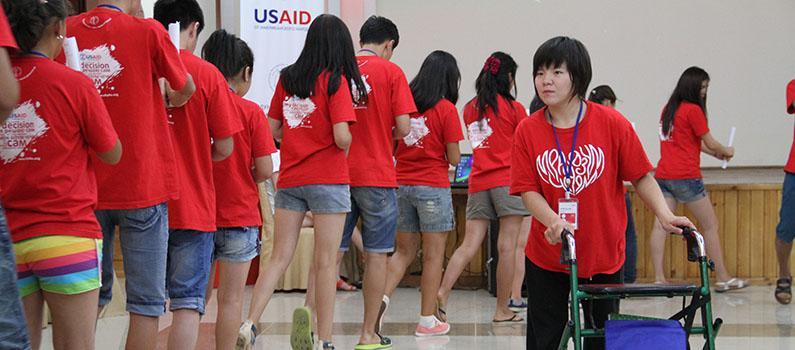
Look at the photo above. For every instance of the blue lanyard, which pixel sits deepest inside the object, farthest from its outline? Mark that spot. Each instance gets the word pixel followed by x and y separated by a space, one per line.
pixel 112 7
pixel 36 53
pixel 568 167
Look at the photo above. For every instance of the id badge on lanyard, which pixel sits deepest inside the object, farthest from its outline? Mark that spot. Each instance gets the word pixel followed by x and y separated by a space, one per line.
pixel 568 210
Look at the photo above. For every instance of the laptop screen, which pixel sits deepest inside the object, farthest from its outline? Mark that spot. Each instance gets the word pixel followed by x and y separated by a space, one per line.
pixel 462 170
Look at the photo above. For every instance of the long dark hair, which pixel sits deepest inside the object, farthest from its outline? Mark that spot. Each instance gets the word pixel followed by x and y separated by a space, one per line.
pixel 494 79
pixel 687 89
pixel 328 47
pixel 29 19
pixel 438 78
pixel 228 53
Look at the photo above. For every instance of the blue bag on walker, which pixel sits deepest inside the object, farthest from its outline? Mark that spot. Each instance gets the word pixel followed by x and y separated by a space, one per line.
pixel 644 334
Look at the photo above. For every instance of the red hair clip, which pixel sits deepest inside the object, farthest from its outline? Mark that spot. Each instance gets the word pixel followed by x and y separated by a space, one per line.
pixel 492 65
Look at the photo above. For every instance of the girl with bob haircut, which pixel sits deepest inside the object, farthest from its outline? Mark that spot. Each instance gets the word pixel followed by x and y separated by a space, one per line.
pixel 310 112
pixel 571 158
pixel 237 211
pixel 424 200
pixel 49 185
pixel 684 134
pixel 491 118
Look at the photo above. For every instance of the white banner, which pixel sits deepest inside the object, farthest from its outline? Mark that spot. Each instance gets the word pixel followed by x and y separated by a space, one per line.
pixel 275 30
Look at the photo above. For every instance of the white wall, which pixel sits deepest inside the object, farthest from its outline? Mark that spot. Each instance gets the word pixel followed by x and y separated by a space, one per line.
pixel 638 47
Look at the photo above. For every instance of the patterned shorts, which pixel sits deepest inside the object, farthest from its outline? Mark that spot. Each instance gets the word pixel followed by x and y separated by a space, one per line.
pixel 58 264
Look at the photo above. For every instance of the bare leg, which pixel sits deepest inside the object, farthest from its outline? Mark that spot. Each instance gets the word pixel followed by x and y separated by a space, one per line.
pixel 230 302
pixel 506 246
pixel 657 244
pixel 406 247
pixel 518 268
pixel 475 233
pixel 783 250
pixel 142 333
pixel 184 329
pixel 328 236
pixel 373 292
pixel 286 230
pixel 705 214
pixel 34 308
pixel 73 319
pixel 433 245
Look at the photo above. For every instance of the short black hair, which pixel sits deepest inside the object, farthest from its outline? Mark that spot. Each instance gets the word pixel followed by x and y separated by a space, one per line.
pixel 377 30
pixel 601 93
pixel 228 53
pixel 564 50
pixel 183 11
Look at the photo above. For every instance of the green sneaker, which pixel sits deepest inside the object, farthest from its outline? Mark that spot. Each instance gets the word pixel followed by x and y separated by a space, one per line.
pixel 301 337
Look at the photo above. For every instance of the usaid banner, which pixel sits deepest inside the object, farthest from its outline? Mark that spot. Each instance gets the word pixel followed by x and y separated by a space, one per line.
pixel 275 30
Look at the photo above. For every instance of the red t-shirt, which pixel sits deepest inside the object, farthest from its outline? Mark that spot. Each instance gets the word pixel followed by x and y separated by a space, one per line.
pixel 680 152
pixel 370 157
pixel 492 142
pixel 6 36
pixel 125 56
pixel 309 154
pixel 210 113
pixel 790 168
pixel 421 156
pixel 608 152
pixel 237 204
pixel 47 176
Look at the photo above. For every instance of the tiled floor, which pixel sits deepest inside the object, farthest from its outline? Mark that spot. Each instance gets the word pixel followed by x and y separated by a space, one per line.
pixel 752 320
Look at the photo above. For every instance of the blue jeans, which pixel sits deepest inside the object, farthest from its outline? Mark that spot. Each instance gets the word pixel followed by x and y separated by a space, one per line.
pixel 190 257
pixel 785 231
pixel 13 328
pixel 319 199
pixel 685 191
pixel 378 209
pixel 425 209
pixel 236 244
pixel 631 252
pixel 144 245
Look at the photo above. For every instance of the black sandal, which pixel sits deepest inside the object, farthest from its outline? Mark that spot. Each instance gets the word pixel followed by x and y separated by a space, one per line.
pixel 784 290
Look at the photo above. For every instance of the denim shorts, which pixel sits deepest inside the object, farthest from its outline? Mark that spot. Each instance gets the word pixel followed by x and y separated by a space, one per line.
pixel 13 328
pixel 319 199
pixel 237 244
pixel 684 191
pixel 377 206
pixel 143 235
pixel 425 209
pixel 785 231
pixel 190 257
pixel 493 204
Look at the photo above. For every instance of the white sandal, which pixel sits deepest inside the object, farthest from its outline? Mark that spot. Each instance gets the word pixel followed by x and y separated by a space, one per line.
pixel 732 284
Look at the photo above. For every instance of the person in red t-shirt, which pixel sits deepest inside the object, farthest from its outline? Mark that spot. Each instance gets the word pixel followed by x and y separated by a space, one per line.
pixel 684 134
pixel 310 111
pixel 380 121
pixel 423 159
pixel 605 95
pixel 48 180
pixel 238 217
pixel 785 231
pixel 209 115
pixel 491 118
pixel 13 328
pixel 573 156
pixel 125 56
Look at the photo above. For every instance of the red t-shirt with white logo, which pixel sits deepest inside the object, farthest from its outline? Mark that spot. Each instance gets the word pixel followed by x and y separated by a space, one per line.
pixel 680 151
pixel 421 155
pixel 370 158
pixel 309 154
pixel 210 113
pixel 492 142
pixel 124 56
pixel 607 153
pixel 6 36
pixel 47 176
pixel 237 202
pixel 790 168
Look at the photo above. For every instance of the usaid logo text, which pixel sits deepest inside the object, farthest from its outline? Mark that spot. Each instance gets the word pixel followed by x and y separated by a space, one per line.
pixel 295 17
